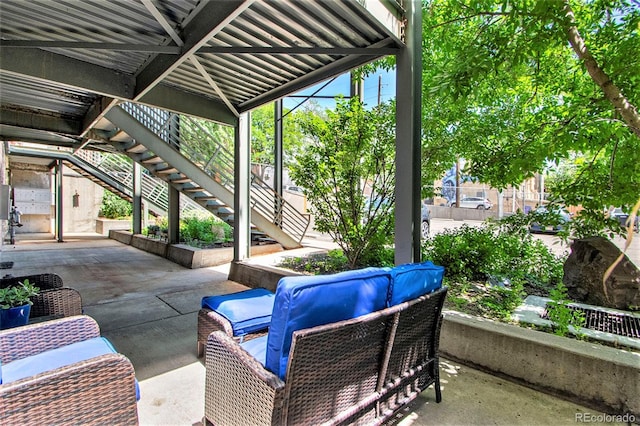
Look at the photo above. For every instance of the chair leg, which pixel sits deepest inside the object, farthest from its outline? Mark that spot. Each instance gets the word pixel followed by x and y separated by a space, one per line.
pixel 200 349
pixel 436 385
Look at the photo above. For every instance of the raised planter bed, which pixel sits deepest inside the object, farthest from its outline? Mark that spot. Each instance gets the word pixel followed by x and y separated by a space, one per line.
pixel 182 254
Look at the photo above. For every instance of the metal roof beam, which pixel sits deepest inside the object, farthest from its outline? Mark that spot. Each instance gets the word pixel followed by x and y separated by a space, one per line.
pixel 36 121
pixel 48 66
pixel 212 18
pixel 61 69
pixel 188 103
pixel 283 50
pixel 11 133
pixel 335 68
pixel 38 44
pixel 177 50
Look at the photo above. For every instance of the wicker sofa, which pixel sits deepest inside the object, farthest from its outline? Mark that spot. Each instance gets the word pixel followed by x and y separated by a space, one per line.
pixel 81 384
pixel 313 369
pixel 53 301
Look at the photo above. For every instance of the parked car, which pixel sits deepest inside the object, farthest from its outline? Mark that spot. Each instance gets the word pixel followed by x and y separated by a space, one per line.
pixel 622 217
pixel 479 203
pixel 425 227
pixel 549 220
pixel 294 189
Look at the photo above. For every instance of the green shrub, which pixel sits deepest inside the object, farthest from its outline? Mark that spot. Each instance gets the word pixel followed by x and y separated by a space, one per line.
pixel 114 207
pixel 315 264
pixel 476 254
pixel 500 260
pixel 199 228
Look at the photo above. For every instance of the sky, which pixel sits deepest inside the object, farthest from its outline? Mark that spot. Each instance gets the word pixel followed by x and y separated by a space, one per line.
pixel 340 86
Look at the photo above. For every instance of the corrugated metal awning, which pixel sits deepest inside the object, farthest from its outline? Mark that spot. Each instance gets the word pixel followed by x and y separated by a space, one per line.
pixel 63 64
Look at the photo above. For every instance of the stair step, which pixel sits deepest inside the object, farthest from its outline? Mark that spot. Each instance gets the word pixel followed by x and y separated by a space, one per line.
pixel 120 136
pixel 181 180
pixel 137 149
pixel 154 159
pixel 166 171
pixel 193 189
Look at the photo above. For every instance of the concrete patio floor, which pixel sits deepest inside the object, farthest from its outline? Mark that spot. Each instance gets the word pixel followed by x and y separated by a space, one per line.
pixel 147 306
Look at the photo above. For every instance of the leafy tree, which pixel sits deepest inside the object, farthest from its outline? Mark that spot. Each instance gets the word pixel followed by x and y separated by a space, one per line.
pixel 350 150
pixel 263 131
pixel 511 86
pixel 114 207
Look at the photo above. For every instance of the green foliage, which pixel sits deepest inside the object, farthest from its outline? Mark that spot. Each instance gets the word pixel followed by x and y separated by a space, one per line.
pixel 500 302
pixel 207 229
pixel 500 258
pixel 262 135
pixel 114 207
pixel 316 264
pixel 197 228
pixel 348 152
pixel 163 223
pixel 560 314
pixel 503 89
pixel 17 295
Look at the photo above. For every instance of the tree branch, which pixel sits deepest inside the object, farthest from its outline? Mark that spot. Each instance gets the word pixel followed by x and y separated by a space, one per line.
pixel 627 110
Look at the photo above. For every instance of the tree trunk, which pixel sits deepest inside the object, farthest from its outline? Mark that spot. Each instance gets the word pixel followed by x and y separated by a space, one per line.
pixel 627 110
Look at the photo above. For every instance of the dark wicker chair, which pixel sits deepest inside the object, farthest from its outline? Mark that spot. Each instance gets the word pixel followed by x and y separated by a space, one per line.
pixel 100 390
pixel 358 371
pixel 43 281
pixel 56 303
pixel 53 301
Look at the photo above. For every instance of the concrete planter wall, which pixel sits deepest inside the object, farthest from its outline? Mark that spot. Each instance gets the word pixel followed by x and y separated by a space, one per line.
pixel 187 256
pixel 103 226
pixel 593 375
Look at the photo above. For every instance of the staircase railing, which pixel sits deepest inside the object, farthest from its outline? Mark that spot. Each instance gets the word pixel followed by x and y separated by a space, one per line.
pixel 195 141
pixel 120 168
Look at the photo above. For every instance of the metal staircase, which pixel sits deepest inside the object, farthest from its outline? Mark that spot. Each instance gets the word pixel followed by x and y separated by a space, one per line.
pixel 184 153
pixel 113 172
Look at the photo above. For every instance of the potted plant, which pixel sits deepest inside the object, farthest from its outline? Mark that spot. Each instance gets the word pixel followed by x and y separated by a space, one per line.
pixel 15 304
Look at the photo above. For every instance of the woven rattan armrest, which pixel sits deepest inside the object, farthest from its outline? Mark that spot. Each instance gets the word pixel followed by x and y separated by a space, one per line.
pixel 21 342
pixel 58 302
pixel 210 321
pixel 97 391
pixel 238 389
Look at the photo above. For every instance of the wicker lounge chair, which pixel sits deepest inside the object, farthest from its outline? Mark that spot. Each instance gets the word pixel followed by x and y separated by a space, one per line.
pixel 43 281
pixel 96 390
pixel 360 370
pixel 54 301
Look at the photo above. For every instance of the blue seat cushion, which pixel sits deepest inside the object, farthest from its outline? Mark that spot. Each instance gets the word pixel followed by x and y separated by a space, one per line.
pixel 414 280
pixel 308 301
pixel 248 311
pixel 257 348
pixel 56 358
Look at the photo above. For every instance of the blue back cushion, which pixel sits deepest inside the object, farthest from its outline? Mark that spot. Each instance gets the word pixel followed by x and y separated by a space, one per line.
pixel 414 280
pixel 247 311
pixel 308 301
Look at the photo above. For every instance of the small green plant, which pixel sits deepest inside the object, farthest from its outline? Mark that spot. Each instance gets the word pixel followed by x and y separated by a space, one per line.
pixel 114 207
pixel 331 262
pixel 17 295
pixel 561 315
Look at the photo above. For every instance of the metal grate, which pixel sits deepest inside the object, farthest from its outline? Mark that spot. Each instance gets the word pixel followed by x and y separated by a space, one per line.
pixel 608 322
pixel 6 265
